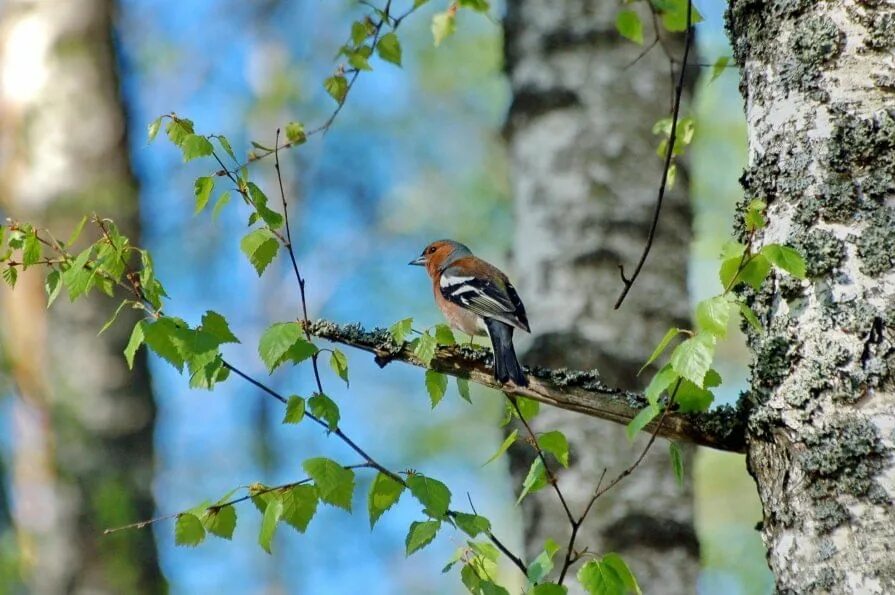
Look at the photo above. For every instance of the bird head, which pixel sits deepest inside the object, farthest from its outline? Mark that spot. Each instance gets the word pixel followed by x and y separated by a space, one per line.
pixel 440 254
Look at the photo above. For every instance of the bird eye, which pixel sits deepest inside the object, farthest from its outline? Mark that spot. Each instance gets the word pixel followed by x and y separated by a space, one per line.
pixel 430 250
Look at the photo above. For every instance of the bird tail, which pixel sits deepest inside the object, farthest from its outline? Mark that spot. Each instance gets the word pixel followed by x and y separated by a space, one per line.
pixel 506 364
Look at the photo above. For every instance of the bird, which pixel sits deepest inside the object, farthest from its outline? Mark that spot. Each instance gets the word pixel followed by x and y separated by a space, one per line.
pixel 477 299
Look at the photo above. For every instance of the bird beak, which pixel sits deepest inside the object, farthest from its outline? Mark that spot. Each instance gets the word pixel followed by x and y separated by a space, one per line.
pixel 421 261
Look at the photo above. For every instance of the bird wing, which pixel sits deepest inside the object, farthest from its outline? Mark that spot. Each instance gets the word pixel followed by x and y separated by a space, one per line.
pixel 491 296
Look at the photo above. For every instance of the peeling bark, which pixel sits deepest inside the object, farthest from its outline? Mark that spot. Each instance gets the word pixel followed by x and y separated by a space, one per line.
pixel 83 422
pixel 818 77
pixel 584 175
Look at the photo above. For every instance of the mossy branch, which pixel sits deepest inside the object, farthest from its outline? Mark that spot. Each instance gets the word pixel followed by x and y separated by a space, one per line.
pixel 582 392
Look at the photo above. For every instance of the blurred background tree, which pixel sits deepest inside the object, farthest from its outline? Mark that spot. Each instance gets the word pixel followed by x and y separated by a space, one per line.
pixel 81 447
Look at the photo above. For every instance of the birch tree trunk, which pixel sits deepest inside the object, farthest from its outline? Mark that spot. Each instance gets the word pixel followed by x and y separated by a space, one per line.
pixel 818 79
pixel 83 422
pixel 584 171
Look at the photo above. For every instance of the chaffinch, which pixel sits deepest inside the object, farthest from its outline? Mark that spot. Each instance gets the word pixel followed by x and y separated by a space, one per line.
pixel 478 299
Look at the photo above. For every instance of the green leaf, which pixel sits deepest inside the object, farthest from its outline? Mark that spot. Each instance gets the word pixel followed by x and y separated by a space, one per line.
pixel 359 32
pixel 431 493
pixel 535 480
pixel 424 348
pixel 358 59
pixel 384 493
pixel 719 67
pixel 549 589
pixel 31 251
pixel 389 48
pixel 203 188
pixel 295 410
pixel 472 524
pixel 693 358
pixel 134 343
pixel 295 133
pixel 463 389
pixel 225 144
pixel 443 26
pixel 528 407
pixel 491 588
pixel 755 271
pixel 713 315
pixel 76 232
pixel 77 278
pixel 114 317
pixel 598 578
pixel 194 146
pixel 260 246
pixel 508 441
pixel 188 530
pixel 444 335
pixel 640 421
pixel 628 24
pixel 692 398
pixel 400 330
pixel 555 443
pixel 269 521
pixel 10 276
pixel 276 341
pixel 674 17
pixel 53 285
pixel 326 409
pixel 220 521
pixel 669 335
pixel 754 217
pixel 273 219
pixel 677 462
pixel 339 364
pixel 153 128
pixel 614 561
pixel 660 382
pixel 160 335
pixel 436 385
pixel 541 566
pixel 420 535
pixel 786 259
pixel 219 205
pixel 477 5
pixel 178 129
pixel 750 317
pixel 216 325
pixel 335 484
pixel 337 87
pixel 299 506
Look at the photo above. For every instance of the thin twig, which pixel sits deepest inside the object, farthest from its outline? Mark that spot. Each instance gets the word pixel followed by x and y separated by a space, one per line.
pixel 669 152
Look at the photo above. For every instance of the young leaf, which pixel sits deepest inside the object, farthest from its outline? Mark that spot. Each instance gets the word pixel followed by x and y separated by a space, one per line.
pixel 10 276
pixel 337 87
pixel 646 415
pixel 669 335
pixel 616 563
pixel 134 343
pixel 713 315
pixel 528 407
pixel 295 410
pixel 541 566
pixel 339 364
pixel 326 409
pixel 424 348
pixel 550 589
pixel 719 67
pixel 219 205
pixel 203 188
pixel 153 128
pixel 444 335
pixel 389 48
pixel 420 535
pixel 660 382
pixel 472 524
pixel 508 441
pixel 555 443
pixel 269 521
pixel 194 146
pixel 785 258
pixel 443 26
pixel 674 15
pixel 188 530
pixel 755 271
pixel 299 506
pixel 220 521
pixel 628 24
pixel 276 342
pixel 750 316
pixel 53 285
pixel 31 251
pixel 677 462
pixel 535 480
pixel 692 358
pixel 335 484
pixel 76 232
pixel 260 246
pixel 160 337
pixel 216 325
pixel 431 493
pixel 178 129
pixel 384 493
pixel 295 133
pixel 463 389
pixel 400 330
pixel 598 578
pixel 436 385
pixel 754 217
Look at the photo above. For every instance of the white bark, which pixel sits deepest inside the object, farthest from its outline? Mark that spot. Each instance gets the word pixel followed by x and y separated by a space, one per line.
pixel 818 78
pixel 585 174
pixel 83 422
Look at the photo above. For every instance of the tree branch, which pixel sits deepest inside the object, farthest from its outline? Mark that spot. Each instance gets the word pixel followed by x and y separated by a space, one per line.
pixel 582 392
